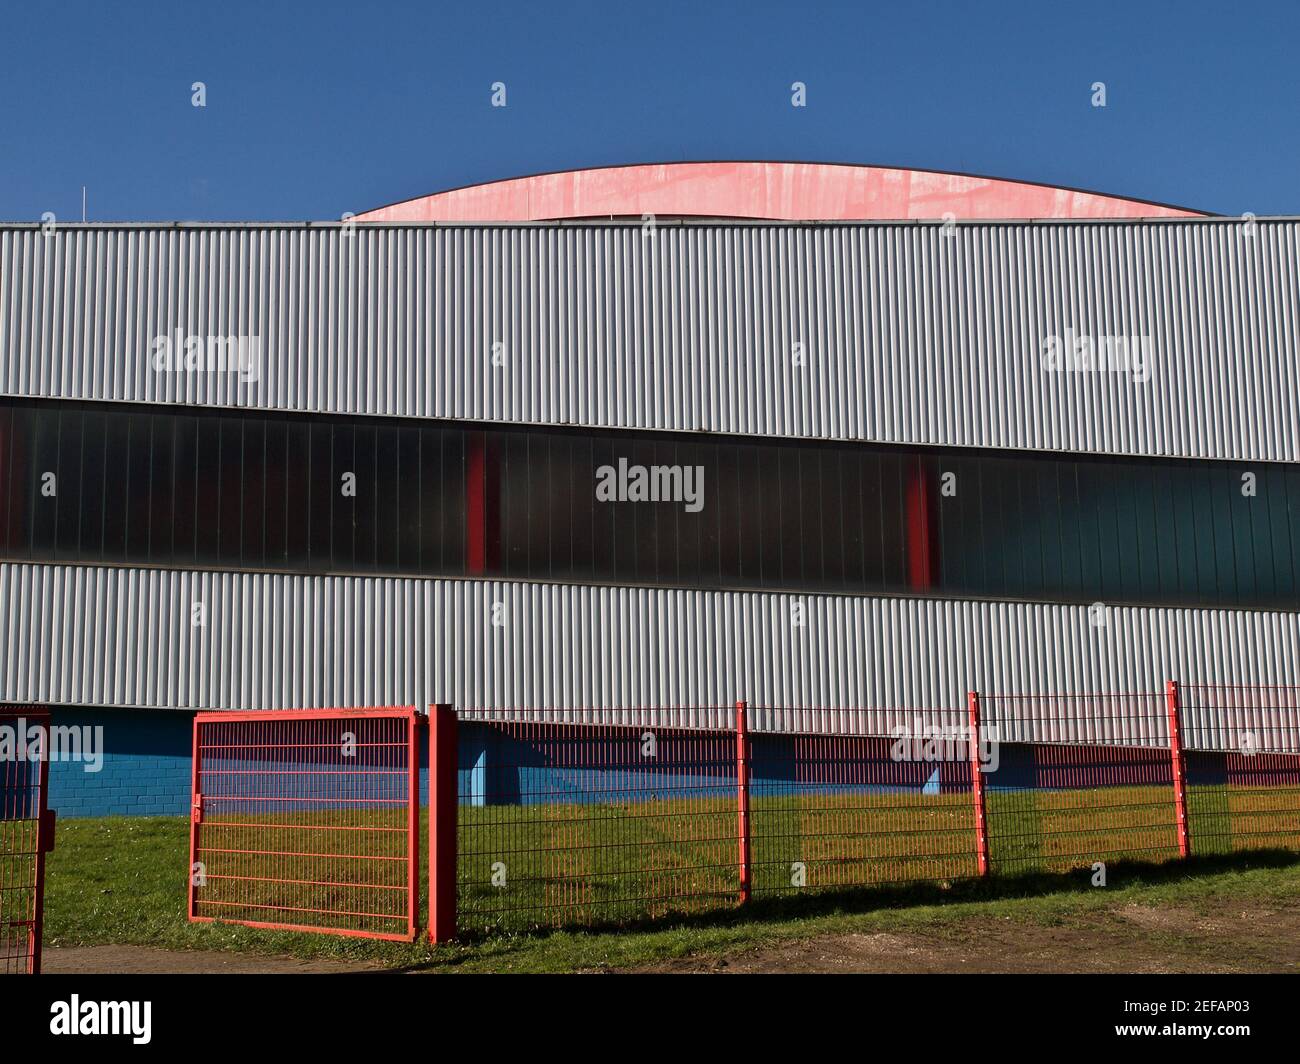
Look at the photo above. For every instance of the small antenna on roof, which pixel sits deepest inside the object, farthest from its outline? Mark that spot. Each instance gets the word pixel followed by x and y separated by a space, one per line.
pixel 83 203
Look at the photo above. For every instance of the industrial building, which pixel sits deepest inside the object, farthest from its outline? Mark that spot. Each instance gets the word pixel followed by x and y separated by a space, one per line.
pixel 812 436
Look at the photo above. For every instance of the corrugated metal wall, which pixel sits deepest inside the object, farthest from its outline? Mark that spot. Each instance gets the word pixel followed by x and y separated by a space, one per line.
pixel 129 637
pixel 910 333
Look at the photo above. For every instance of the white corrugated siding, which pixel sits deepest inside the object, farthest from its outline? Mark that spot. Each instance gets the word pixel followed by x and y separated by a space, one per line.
pixel 125 637
pixel 909 335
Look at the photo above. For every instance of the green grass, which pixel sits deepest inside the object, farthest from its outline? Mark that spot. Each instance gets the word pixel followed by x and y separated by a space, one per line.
pixel 590 865
pixel 314 868
pixel 122 880
pixel 1056 831
pixel 594 864
pixel 1228 819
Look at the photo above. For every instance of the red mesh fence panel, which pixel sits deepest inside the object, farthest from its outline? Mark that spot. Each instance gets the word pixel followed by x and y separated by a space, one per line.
pixel 605 818
pixel 307 820
pixel 1078 779
pixel 1243 767
pixel 885 798
pixel 24 779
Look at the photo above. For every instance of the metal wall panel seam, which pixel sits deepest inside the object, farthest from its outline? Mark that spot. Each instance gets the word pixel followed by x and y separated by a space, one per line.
pixel 691 329
pixel 100 636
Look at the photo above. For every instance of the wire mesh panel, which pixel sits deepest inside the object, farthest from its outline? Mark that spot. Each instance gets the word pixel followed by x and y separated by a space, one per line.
pixel 629 814
pixel 307 820
pixel 1243 767
pixel 24 829
pixel 832 811
pixel 556 817
pixel 1078 779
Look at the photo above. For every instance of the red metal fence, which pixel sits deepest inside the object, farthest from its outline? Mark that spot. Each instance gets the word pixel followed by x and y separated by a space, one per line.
pixel 1243 766
pixel 546 818
pixel 587 817
pixel 307 820
pixel 879 797
pixel 1079 779
pixel 26 835
pixel 558 817
pixel 562 821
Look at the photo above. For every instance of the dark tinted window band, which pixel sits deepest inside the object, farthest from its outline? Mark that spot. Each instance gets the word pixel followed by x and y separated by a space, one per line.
pixel 181 487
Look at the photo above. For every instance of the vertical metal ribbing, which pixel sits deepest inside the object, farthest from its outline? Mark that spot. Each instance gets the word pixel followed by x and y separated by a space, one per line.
pixel 1034 277
pixel 78 634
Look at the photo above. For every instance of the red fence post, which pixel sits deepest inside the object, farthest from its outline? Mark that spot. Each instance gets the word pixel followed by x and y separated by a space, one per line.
pixel 443 796
pixel 413 824
pixel 45 818
pixel 196 811
pixel 742 798
pixel 1176 755
pixel 977 786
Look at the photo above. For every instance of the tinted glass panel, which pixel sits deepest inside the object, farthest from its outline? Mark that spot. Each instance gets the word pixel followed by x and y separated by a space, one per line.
pixel 45 496
pixel 302 493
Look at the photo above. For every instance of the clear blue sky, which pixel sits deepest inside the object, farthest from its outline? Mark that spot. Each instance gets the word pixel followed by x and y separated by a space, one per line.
pixel 318 108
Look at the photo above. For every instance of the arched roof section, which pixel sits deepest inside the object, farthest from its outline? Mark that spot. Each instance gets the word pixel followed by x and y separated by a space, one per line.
pixel 762 191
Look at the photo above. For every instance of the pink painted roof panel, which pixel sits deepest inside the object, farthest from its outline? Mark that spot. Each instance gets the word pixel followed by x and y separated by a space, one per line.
pixel 762 191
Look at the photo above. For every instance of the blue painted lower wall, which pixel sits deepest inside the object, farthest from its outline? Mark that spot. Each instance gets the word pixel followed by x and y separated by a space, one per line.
pixel 500 768
pixel 145 769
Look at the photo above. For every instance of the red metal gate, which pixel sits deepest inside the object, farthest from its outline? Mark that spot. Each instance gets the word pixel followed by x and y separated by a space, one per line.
pixel 307 820
pixel 26 836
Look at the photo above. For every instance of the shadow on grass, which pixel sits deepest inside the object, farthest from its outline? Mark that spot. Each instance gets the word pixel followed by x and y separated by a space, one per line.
pixel 811 904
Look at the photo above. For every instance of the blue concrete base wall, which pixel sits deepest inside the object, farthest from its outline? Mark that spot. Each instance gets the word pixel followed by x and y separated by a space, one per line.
pixel 146 765
pixel 146 770
pixel 498 768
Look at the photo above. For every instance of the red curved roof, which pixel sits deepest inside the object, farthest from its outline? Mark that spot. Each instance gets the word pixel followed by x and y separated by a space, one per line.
pixel 772 191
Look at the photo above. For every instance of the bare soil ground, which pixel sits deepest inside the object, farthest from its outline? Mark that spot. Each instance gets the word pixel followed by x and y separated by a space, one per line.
pixel 142 960
pixel 1235 936
pixel 1228 934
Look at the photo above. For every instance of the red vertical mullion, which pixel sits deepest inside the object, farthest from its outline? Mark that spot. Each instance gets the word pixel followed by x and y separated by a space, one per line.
pixel 977 786
pixel 1176 757
pixel 742 799
pixel 920 540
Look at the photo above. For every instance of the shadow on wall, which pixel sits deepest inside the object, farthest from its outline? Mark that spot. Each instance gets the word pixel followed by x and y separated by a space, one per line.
pixel 611 767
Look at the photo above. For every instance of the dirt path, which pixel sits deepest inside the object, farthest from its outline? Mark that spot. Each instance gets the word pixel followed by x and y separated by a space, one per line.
pixel 1238 936
pixel 138 960
pixel 1231 935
